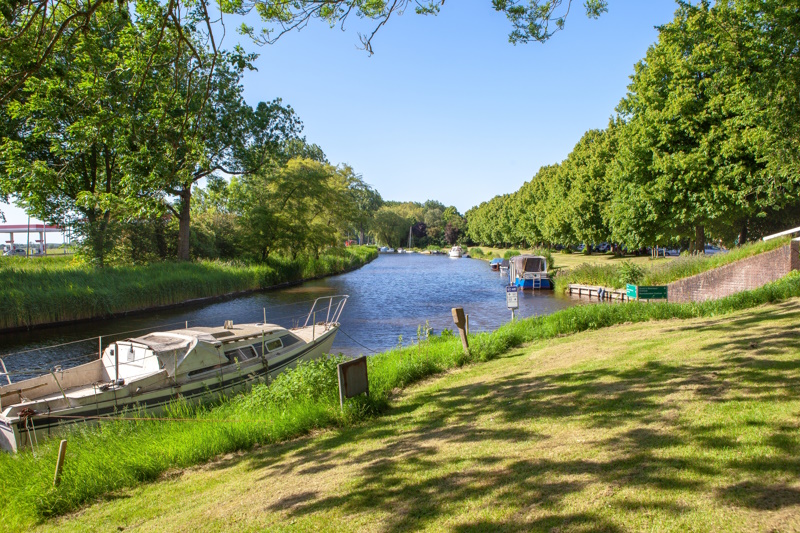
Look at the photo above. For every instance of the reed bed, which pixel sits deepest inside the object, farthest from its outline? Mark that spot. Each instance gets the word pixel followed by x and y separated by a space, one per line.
pixel 45 290
pixel 662 272
pixel 117 454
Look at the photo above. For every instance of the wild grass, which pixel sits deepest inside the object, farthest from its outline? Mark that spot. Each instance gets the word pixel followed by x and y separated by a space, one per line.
pixel 58 289
pixel 616 275
pixel 119 453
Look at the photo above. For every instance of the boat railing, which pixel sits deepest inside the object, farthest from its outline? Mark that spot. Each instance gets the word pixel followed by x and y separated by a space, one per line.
pixel 4 372
pixel 332 306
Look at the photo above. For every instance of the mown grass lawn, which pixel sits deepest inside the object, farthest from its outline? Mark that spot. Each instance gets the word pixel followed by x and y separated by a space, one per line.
pixel 678 425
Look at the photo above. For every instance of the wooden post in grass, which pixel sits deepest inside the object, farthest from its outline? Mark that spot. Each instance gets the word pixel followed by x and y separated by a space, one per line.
pixel 62 451
pixel 461 323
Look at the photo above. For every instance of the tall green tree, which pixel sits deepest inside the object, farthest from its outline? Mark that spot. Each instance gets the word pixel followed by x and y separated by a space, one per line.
pixel 65 133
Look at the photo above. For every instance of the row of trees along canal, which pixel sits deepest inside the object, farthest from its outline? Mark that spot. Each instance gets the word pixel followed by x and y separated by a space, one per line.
pixel 112 113
pixel 704 144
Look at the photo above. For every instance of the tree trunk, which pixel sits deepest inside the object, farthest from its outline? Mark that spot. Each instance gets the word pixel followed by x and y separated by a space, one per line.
pixel 700 239
pixel 743 233
pixel 184 224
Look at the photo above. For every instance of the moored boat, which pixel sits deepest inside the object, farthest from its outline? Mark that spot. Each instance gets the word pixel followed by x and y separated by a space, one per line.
pixel 456 251
pixel 495 263
pixel 197 364
pixel 529 272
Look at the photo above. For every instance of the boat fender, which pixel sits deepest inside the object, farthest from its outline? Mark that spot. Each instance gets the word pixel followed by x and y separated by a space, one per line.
pixel 120 382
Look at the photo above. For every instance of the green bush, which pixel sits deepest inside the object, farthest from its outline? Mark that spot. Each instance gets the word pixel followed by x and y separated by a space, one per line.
pixel 309 380
pixel 566 250
pixel 476 252
pixel 629 272
pixel 511 253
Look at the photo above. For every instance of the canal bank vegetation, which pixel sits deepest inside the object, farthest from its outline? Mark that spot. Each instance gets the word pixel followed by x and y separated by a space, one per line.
pixel 702 147
pixel 658 272
pixel 296 403
pixel 43 292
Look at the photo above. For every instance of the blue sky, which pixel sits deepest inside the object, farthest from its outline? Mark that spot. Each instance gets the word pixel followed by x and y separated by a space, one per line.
pixel 447 108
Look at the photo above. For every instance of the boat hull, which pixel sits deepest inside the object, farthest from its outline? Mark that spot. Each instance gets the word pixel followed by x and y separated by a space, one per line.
pixel 530 284
pixel 16 433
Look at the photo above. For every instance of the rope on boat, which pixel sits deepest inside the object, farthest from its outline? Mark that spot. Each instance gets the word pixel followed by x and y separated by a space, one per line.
pixel 355 341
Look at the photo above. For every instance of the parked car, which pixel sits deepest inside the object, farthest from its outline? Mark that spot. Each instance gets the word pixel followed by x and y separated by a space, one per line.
pixel 15 251
pixel 711 249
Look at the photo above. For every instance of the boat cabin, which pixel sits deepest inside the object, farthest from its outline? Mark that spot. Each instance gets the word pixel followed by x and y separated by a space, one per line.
pixel 529 272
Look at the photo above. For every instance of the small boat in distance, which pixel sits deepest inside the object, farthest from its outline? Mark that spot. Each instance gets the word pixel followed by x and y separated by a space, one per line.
pixel 504 265
pixel 495 263
pixel 197 364
pixel 456 251
pixel 529 272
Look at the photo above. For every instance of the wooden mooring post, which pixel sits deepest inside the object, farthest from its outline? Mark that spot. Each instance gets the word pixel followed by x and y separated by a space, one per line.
pixel 461 323
pixel 62 451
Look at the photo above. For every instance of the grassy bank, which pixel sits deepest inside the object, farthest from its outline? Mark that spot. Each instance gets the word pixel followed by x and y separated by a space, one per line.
pixel 295 404
pixel 617 274
pixel 672 426
pixel 58 289
pixel 564 261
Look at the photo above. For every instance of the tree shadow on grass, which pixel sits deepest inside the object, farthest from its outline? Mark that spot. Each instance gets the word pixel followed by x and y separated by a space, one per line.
pixel 409 474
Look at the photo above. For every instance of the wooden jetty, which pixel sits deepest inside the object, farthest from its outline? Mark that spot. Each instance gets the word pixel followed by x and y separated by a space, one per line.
pixel 600 293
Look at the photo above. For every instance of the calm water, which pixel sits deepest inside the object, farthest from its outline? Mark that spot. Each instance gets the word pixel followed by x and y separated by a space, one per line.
pixel 389 298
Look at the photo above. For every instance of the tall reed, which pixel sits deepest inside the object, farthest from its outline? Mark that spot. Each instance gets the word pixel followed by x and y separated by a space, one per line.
pixel 41 290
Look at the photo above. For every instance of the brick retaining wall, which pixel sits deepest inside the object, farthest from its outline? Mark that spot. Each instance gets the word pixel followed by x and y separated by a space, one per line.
pixel 745 274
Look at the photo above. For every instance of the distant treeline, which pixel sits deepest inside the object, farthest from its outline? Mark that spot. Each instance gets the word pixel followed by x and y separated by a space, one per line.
pixel 703 146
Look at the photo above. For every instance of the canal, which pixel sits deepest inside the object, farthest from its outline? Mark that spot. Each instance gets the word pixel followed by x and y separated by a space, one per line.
pixel 390 298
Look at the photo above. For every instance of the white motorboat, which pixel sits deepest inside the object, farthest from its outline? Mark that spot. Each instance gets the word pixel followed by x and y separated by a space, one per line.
pixel 456 251
pixel 198 364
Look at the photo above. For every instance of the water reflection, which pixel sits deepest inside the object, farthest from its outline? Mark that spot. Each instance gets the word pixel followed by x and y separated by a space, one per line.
pixel 389 298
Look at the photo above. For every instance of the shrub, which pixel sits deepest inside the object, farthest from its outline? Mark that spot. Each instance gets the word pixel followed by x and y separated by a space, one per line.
pixel 629 272
pixel 510 253
pixel 476 252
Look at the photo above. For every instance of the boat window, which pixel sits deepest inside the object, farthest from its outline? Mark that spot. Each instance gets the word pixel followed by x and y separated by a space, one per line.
pixel 274 345
pixel 241 354
pixel 206 369
pixel 257 347
pixel 534 265
pixel 288 340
